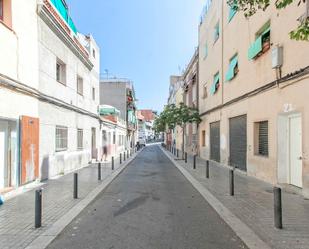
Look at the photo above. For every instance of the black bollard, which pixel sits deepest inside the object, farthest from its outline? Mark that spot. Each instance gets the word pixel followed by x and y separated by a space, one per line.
pixel 207 169
pixel 120 158
pixel 38 209
pixel 177 153
pixel 186 157
pixel 194 162
pixel 278 207
pixel 75 186
pixel 231 182
pixel 124 156
pixel 113 164
pixel 99 172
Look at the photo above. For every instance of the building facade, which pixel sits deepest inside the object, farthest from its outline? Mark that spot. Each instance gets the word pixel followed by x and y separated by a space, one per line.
pixel 47 124
pixel 190 99
pixel 68 71
pixel 120 94
pixel 252 93
pixel 175 97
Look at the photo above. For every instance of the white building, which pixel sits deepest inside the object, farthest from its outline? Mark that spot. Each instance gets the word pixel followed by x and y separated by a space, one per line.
pixel 49 80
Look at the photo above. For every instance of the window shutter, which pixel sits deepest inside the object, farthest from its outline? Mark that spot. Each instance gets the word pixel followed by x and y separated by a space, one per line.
pixel 255 48
pixel 230 73
pixel 263 138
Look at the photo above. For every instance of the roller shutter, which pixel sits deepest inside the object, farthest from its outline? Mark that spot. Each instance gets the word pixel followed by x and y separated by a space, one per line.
pixel 238 142
pixel 215 141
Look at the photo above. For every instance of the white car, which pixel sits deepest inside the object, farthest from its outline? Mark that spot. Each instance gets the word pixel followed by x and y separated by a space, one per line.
pixel 142 141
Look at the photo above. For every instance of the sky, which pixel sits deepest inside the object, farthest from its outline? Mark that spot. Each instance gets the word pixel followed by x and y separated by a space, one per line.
pixel 145 41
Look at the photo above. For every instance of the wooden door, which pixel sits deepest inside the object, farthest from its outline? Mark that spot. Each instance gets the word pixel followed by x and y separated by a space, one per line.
pixel 29 149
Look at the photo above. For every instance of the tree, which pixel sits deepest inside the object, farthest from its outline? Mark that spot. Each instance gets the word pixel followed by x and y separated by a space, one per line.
pixel 173 116
pixel 250 7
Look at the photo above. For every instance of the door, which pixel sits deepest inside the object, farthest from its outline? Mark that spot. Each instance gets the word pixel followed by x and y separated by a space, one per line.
pixel 3 152
pixel 215 141
pixel 295 149
pixel 29 149
pixel 93 143
pixel 238 142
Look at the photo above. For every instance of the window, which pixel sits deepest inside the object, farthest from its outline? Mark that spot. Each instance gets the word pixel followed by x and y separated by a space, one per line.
pixel 215 85
pixel 205 51
pixel 194 93
pixel 203 138
pixel 205 91
pixel 233 68
pixel 93 93
pixel 60 72
pixel 1 10
pixel 216 32
pixel 80 85
pixel 261 138
pixel 93 53
pixel 80 134
pixel 61 138
pixel 194 128
pixel 114 137
pixel 261 44
pixel 232 11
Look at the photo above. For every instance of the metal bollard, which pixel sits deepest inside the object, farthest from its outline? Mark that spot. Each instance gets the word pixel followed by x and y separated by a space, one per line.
pixel 278 207
pixel 186 157
pixel 113 164
pixel 120 158
pixel 177 153
pixel 194 162
pixel 38 209
pixel 207 169
pixel 75 186
pixel 231 182
pixel 124 156
pixel 99 172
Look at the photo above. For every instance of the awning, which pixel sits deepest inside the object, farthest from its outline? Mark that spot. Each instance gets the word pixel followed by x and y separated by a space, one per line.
pixel 108 110
pixel 257 46
pixel 231 72
pixel 215 84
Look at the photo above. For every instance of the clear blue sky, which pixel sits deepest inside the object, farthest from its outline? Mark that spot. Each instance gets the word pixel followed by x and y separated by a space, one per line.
pixel 143 40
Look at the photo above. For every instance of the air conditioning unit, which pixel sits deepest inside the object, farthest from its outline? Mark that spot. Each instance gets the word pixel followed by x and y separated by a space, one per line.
pixel 277 57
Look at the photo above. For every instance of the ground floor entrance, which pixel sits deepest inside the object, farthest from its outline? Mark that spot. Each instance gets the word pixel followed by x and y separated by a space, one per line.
pixel 8 154
pixel 238 142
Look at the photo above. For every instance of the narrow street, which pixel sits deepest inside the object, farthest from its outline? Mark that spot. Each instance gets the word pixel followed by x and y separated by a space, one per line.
pixel 150 205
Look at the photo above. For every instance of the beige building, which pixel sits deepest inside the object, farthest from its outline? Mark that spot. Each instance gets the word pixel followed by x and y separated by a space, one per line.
pixel 179 129
pixel 190 78
pixel 253 83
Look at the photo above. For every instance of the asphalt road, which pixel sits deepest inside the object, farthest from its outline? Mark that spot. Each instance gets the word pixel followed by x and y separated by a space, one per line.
pixel 150 206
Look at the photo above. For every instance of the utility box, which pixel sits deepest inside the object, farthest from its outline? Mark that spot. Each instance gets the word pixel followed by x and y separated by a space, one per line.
pixel 277 57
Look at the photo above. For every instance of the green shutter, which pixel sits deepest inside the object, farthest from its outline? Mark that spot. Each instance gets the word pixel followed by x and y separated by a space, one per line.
pixel 232 13
pixel 255 48
pixel 230 73
pixel 213 88
pixel 63 11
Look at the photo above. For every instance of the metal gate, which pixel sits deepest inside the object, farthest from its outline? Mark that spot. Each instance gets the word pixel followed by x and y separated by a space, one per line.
pixel 238 142
pixel 215 141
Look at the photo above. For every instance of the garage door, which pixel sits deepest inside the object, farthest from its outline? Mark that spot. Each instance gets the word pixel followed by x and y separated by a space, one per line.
pixel 238 142
pixel 215 141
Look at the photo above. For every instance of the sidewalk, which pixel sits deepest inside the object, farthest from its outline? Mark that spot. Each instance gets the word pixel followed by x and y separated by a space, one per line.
pixel 253 204
pixel 17 214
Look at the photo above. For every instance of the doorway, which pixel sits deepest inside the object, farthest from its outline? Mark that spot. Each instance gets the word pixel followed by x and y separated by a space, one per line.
pixel 93 144
pixel 295 151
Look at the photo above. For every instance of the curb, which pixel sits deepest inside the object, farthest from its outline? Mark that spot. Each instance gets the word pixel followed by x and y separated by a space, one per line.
pixel 51 233
pixel 246 234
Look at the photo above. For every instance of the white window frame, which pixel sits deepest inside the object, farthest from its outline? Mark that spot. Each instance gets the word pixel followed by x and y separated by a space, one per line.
pixel 60 72
pixel 80 85
pixel 80 139
pixel 61 138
